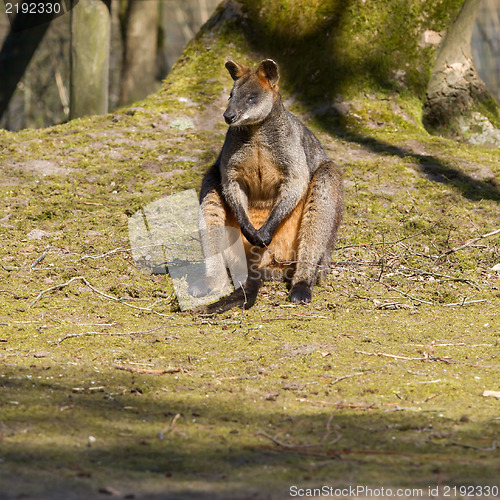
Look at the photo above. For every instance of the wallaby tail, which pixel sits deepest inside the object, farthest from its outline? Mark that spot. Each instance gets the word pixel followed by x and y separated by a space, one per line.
pixel 243 297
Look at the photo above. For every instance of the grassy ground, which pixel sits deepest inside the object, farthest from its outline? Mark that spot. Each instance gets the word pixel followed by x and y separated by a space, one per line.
pixel 108 390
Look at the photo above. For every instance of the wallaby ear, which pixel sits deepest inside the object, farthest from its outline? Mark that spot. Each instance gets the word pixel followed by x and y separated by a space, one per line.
pixel 235 69
pixel 268 70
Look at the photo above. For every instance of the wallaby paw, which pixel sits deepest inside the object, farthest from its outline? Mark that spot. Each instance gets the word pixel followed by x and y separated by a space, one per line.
pixel 264 238
pixel 301 293
pixel 257 241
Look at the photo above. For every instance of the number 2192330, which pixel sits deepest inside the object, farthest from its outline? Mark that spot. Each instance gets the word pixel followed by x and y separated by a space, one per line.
pixel 33 8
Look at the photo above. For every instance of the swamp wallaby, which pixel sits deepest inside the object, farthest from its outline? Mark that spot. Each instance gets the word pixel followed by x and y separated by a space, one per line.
pixel 274 182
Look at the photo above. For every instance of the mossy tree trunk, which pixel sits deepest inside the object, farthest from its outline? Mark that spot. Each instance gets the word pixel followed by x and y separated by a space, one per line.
pixel 332 51
pixel 457 101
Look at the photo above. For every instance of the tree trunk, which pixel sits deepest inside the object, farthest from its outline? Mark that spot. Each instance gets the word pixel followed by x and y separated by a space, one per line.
pixel 90 44
pixel 338 55
pixel 25 35
pixel 457 99
pixel 141 39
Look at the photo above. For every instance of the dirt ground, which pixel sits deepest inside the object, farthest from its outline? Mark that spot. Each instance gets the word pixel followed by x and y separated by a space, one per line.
pixel 108 390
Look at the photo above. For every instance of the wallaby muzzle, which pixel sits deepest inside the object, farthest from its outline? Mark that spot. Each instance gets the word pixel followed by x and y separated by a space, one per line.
pixel 230 116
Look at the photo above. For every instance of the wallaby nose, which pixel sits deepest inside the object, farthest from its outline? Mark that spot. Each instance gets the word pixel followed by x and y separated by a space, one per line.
pixel 230 117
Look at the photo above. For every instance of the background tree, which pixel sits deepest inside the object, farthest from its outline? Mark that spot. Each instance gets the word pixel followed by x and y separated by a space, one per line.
pixel 337 51
pixel 457 99
pixel 140 42
pixel 90 52
pixel 41 97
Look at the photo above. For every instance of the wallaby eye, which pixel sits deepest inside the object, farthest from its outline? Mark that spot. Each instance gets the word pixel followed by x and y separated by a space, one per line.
pixel 252 98
pixel 230 95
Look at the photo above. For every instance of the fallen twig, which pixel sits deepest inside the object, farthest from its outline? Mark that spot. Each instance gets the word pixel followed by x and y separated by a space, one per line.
pixel 469 243
pixel 41 257
pixel 407 295
pixel 84 334
pixel 452 344
pixel 393 306
pixel 146 371
pixel 95 290
pixel 170 428
pixel 425 357
pixel 385 355
pixel 298 447
pixel 111 252
pixel 446 277
pixel 392 243
pixel 337 380
pixel 465 302
pixel 493 446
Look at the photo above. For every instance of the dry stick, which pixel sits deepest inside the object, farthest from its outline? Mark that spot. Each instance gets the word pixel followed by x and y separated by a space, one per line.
pixel 116 250
pixel 120 249
pixel 56 287
pixel 337 380
pixel 83 334
pixel 383 354
pixel 282 444
pixel 41 257
pixel 393 242
pixel 469 243
pixel 170 428
pixel 439 275
pixel 465 302
pixel 109 297
pixel 413 203
pixel 145 371
pixel 72 335
pixel 454 344
pixel 408 296
pixel 493 446
pixel 307 448
pixel 413 252
pixel 337 438
pixel 382 260
pixel 389 287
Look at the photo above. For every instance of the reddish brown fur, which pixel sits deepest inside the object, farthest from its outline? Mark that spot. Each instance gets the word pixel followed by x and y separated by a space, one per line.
pixel 282 252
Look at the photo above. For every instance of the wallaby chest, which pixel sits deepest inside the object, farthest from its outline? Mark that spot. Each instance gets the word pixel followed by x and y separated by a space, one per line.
pixel 256 169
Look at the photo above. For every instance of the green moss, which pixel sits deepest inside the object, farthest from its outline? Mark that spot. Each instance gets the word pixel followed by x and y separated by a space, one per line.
pixel 380 360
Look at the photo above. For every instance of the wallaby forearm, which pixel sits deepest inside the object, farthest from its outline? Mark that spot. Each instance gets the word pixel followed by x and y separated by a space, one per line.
pixel 292 192
pixel 238 202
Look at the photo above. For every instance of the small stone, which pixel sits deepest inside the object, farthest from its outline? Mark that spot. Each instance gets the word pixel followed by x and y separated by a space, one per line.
pixel 37 234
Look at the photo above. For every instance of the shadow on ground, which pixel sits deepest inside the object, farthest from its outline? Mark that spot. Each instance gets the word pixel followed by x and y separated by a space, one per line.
pixel 220 450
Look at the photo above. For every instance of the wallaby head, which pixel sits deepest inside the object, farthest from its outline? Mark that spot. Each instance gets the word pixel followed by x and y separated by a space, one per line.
pixel 253 94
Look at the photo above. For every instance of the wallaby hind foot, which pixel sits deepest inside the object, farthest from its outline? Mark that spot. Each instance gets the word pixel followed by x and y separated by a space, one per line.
pixel 301 293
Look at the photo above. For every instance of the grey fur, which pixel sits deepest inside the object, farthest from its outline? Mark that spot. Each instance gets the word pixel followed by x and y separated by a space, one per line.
pixel 270 160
